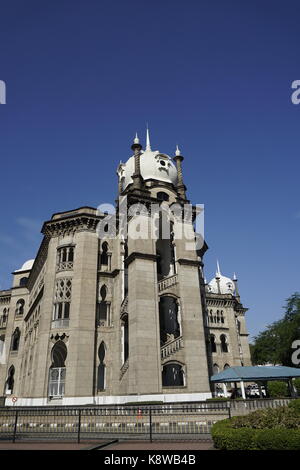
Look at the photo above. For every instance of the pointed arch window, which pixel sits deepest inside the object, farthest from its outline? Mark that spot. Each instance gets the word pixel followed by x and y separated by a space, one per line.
pixel 213 345
pixel 125 337
pixel 9 384
pixel 224 344
pixel 57 372
pixel 20 307
pixel 103 309
pixel 3 318
pixel 105 257
pixel 101 383
pixel 15 340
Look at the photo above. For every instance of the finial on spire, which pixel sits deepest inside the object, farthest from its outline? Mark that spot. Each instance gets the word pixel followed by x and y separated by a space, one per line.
pixel 177 153
pixel 234 277
pixel 148 146
pixel 136 139
pixel 218 272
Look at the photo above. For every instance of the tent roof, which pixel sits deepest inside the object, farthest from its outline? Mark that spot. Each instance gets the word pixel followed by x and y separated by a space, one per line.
pixel 236 374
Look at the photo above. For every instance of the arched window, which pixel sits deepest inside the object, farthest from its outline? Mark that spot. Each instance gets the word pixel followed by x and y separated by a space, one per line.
pixel 224 345
pixel 161 196
pixel 3 318
pixel 172 375
pixel 104 254
pixel 101 368
pixel 9 384
pixel 15 340
pixel 222 317
pixel 168 319
pixel 216 369
pixel 227 366
pixel 165 246
pixel 65 258
pixel 57 373
pixel 62 302
pixel 125 337
pixel 2 340
pixel 103 314
pixel 213 345
pixel 20 307
pixel 23 281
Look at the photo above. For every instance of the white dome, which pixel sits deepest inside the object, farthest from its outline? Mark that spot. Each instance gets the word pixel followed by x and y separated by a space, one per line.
pixel 27 265
pixel 154 165
pixel 226 285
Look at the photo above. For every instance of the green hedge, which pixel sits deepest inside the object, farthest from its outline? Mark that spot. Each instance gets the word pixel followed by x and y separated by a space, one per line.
pixel 295 405
pixel 227 438
pixel 278 389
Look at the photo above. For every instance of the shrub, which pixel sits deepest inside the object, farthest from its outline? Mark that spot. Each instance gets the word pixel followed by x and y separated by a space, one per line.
pixel 271 418
pixel 295 405
pixel 278 439
pixel 227 438
pixel 277 389
pixel 297 385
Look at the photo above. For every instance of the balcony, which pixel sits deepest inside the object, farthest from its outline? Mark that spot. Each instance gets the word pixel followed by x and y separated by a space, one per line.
pixel 167 282
pixel 171 348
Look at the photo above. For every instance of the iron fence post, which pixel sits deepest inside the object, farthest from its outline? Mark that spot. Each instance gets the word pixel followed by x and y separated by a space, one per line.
pixel 15 426
pixel 150 423
pixel 79 426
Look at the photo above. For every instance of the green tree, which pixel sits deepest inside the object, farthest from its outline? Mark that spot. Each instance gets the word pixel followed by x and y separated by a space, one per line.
pixel 274 345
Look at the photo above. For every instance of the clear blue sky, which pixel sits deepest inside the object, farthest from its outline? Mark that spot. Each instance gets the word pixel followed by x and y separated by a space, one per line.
pixel 213 76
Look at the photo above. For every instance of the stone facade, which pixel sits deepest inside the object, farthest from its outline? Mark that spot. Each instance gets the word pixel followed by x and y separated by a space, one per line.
pixel 101 320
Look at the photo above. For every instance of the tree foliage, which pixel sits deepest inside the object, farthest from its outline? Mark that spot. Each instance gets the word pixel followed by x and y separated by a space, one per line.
pixel 274 345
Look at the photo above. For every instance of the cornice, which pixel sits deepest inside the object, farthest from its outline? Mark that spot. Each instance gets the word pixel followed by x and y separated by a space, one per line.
pixel 189 262
pixel 138 255
pixel 71 224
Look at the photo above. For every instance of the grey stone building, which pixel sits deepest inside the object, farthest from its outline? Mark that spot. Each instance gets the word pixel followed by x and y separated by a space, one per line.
pixel 103 315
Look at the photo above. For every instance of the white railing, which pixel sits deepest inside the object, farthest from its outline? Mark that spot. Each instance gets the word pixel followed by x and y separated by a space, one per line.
pixel 242 407
pixel 171 347
pixel 168 282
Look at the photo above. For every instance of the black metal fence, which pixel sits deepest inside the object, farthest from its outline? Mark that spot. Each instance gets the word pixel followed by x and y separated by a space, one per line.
pixel 85 423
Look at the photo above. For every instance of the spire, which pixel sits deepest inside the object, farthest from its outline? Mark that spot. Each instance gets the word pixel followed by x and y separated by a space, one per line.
pixel 148 146
pixel 235 281
pixel 136 139
pixel 177 153
pixel 218 272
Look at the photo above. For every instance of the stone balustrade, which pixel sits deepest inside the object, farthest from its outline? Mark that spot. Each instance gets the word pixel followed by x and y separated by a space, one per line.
pixel 170 348
pixel 167 282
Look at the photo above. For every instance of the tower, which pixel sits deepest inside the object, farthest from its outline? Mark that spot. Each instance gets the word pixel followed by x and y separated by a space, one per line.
pixel 225 324
pixel 166 347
